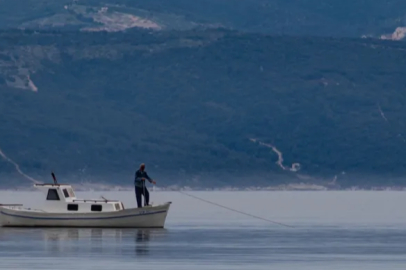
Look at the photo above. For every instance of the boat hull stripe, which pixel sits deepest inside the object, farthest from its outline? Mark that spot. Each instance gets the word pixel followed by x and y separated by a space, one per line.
pixel 80 218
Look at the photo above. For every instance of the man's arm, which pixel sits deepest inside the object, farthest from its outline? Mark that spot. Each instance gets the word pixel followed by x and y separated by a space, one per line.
pixel 149 179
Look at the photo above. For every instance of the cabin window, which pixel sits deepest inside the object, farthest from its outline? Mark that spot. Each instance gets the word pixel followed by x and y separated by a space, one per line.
pixel 65 192
pixel 73 207
pixel 71 193
pixel 52 195
pixel 96 207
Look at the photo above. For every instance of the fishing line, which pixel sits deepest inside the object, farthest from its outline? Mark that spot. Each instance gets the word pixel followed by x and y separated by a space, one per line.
pixel 234 210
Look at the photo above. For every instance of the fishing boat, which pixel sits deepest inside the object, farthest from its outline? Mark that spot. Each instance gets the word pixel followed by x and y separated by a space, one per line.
pixel 62 209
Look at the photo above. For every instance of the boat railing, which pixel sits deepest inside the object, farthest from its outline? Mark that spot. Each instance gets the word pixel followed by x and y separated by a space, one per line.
pixel 87 200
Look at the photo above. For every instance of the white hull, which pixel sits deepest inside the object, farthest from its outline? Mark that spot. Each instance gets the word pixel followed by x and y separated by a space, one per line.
pixel 147 217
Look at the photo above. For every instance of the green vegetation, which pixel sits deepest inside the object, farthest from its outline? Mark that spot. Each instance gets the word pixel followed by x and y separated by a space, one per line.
pixel 188 103
pixel 344 18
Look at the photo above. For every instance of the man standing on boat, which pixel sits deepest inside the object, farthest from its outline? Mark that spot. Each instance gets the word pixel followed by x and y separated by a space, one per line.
pixel 140 188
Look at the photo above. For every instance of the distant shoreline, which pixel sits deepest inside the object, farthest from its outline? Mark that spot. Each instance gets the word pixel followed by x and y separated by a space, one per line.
pixel 290 187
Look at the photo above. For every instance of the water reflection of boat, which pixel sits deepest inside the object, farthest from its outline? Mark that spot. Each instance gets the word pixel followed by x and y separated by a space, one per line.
pixel 76 241
pixel 63 209
pixel 141 242
pixel 143 235
pixel 97 234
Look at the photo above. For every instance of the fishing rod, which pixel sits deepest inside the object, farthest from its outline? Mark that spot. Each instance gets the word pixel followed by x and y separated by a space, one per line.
pixel 145 199
pixel 234 210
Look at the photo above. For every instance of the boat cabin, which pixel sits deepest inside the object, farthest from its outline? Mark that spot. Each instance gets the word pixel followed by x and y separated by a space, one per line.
pixel 62 198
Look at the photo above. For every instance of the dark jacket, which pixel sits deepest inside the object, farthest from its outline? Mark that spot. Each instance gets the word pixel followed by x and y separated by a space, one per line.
pixel 138 176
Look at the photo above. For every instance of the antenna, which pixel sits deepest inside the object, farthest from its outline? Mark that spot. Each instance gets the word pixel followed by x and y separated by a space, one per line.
pixel 53 176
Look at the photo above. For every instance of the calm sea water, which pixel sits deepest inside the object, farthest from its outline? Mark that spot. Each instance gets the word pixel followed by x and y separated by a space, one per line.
pixel 332 230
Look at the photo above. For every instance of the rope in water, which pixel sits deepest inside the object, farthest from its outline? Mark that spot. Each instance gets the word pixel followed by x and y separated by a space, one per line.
pixel 234 210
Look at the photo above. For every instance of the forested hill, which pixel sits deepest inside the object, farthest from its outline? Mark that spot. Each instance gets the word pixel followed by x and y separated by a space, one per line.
pixel 336 18
pixel 206 106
